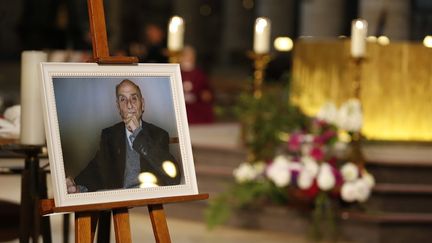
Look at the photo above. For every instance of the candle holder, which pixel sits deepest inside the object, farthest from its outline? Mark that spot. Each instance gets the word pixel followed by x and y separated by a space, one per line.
pixel 356 142
pixel 174 56
pixel 33 188
pixel 260 64
pixel 358 63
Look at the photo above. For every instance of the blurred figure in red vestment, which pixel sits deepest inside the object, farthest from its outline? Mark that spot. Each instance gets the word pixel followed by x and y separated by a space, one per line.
pixel 197 92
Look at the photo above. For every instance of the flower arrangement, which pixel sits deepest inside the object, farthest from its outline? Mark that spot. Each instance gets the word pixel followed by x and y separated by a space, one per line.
pixel 310 167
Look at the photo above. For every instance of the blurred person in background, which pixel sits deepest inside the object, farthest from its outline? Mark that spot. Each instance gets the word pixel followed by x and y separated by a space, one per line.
pixel 197 92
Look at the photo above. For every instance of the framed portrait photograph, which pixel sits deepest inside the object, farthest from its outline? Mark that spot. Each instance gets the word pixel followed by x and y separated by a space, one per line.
pixel 116 132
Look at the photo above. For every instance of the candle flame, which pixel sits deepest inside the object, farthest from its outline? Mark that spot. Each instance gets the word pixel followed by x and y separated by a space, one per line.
pixel 175 22
pixel 261 24
pixel 427 41
pixel 360 24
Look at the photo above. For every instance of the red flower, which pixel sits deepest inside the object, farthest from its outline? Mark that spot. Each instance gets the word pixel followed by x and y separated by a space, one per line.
pixel 312 191
pixel 317 153
pixel 294 142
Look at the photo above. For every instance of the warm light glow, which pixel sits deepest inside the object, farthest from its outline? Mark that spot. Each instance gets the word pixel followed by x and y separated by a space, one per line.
pixel 261 38
pixel 261 24
pixel 358 38
pixel 371 38
pixel 283 44
pixel 383 40
pixel 169 168
pixel 176 21
pixel 147 179
pixel 427 41
pixel 360 24
pixel 176 29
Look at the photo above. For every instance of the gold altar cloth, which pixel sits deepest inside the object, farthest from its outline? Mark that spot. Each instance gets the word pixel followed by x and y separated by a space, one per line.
pixel 396 85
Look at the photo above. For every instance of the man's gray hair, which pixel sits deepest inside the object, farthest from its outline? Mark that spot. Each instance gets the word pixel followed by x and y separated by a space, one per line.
pixel 124 81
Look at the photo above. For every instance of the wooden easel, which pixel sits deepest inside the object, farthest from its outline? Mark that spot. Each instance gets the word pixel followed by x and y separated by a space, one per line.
pixel 86 216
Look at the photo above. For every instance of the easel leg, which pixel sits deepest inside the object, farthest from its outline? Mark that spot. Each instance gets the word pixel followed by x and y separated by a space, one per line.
pixel 85 226
pixel 160 227
pixel 44 221
pixel 121 225
pixel 25 208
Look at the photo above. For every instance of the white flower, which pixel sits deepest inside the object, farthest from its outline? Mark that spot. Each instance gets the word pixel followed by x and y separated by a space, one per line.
pixel 362 190
pixel 340 145
pixel 306 148
pixel 310 165
pixel 348 192
pixel 308 138
pixel 350 116
pixel 295 166
pixel 245 172
pixel 279 171
pixel 369 179
pixel 259 167
pixel 349 171
pixel 340 149
pixel 281 160
pixel 326 179
pixel 305 179
pixel 328 113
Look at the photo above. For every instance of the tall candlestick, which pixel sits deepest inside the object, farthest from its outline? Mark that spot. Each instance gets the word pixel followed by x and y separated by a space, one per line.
pixel 358 38
pixel 261 44
pixel 32 126
pixel 175 34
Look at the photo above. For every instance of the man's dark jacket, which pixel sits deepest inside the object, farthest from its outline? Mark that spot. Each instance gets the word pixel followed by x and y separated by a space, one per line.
pixel 106 170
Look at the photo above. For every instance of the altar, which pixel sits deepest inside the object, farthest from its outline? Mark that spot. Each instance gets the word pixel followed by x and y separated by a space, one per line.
pixel 395 85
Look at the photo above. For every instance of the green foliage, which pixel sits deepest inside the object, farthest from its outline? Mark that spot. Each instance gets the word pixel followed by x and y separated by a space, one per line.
pixel 250 195
pixel 265 119
pixel 218 211
pixel 323 218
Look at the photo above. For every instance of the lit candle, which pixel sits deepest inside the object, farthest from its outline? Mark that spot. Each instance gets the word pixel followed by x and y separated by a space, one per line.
pixel 32 126
pixel 261 44
pixel 175 34
pixel 358 37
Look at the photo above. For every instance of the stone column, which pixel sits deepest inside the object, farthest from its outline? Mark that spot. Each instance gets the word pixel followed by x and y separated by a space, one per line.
pixel 282 15
pixel 395 16
pixel 322 18
pixel 237 30
pixel 114 26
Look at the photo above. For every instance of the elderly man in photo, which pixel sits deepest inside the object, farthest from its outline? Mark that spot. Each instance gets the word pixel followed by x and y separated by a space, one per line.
pixel 132 153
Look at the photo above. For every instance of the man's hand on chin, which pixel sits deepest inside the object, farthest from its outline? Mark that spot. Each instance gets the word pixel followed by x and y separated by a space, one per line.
pixel 71 186
pixel 131 123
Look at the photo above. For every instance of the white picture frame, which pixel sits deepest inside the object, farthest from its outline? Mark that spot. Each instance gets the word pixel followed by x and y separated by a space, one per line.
pixel 79 100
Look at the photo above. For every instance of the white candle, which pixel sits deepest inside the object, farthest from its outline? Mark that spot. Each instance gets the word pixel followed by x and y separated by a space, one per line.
pixel 261 43
pixel 32 126
pixel 358 37
pixel 175 34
